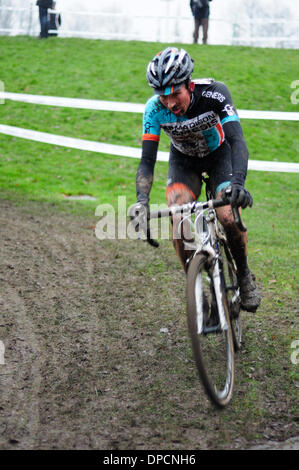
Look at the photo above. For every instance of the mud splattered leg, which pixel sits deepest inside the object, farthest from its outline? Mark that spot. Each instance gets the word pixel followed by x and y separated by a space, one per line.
pixel 238 241
pixel 179 193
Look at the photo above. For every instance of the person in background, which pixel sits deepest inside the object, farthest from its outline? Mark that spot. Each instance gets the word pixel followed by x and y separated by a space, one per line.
pixel 54 21
pixel 43 17
pixel 201 12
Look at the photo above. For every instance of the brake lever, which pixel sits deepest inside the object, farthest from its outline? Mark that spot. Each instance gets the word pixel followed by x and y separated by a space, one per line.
pixel 137 211
pixel 238 220
pixel 150 240
pixel 236 213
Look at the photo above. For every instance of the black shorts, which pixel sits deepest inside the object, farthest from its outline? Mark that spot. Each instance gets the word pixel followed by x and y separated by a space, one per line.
pixel 201 13
pixel 188 170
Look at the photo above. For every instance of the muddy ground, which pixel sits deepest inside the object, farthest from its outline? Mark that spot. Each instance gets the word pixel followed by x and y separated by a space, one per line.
pixel 96 347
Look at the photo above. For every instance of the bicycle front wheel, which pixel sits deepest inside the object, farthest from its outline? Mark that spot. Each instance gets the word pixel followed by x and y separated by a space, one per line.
pixel 232 294
pixel 212 341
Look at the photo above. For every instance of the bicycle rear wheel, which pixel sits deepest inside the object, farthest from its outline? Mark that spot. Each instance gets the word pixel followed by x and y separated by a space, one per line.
pixel 212 344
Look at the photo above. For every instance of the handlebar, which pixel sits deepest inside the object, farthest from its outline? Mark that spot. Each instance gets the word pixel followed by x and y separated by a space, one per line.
pixel 192 207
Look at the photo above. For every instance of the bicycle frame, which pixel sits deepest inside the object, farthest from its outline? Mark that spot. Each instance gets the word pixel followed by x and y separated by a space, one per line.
pixel 205 240
pixel 210 312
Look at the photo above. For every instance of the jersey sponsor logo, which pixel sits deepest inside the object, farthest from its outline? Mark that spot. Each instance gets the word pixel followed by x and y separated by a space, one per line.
pixel 229 109
pixel 215 95
pixel 198 136
pixel 199 123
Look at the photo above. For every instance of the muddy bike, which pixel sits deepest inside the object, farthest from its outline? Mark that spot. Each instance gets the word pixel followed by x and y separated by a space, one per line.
pixel 213 298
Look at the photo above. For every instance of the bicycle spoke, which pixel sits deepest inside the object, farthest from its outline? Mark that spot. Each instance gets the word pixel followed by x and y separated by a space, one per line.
pixel 233 295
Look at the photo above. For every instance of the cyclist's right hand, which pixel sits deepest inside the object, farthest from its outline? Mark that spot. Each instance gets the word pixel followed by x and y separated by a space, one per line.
pixel 139 215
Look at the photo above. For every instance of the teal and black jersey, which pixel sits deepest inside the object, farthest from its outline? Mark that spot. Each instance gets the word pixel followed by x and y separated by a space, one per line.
pixel 208 134
pixel 201 130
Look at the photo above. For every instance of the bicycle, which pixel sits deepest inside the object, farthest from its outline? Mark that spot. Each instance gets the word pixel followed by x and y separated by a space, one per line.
pixel 213 296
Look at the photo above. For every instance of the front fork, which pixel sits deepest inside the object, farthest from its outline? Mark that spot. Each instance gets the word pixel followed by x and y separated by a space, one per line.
pixel 209 247
pixel 213 261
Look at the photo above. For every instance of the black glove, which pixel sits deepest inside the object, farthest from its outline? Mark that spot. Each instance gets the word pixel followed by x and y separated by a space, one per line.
pixel 139 215
pixel 238 196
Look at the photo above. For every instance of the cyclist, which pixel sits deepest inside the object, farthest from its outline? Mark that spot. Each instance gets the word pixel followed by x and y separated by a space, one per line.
pixel 206 136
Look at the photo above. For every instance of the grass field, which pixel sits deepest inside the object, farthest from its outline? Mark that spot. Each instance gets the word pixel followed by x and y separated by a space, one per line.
pixel 259 79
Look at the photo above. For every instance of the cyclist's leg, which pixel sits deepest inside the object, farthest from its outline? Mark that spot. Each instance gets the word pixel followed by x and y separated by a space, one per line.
pixel 238 241
pixel 183 186
pixel 220 175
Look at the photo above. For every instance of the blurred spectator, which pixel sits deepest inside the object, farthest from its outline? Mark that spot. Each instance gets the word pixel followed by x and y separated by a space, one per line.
pixel 201 11
pixel 55 21
pixel 43 16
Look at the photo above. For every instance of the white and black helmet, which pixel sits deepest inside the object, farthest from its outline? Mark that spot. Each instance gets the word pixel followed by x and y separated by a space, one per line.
pixel 168 70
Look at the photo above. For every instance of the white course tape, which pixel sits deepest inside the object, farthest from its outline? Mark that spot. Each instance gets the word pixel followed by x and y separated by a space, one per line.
pixel 71 142
pixel 129 107
pixel 271 115
pixel 96 105
pixel 123 151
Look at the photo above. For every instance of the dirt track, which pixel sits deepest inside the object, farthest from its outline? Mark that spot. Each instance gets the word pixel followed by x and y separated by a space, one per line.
pixel 79 363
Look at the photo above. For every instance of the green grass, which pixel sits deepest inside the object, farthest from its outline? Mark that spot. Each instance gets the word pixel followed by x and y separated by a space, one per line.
pixel 115 70
pixel 111 70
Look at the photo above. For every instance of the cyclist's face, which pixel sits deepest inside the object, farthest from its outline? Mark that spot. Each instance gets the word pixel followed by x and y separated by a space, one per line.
pixel 178 102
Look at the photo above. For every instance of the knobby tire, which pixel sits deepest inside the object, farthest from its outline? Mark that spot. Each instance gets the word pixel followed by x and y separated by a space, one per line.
pixel 213 352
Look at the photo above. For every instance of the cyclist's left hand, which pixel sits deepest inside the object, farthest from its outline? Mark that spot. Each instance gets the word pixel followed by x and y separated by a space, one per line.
pixel 239 196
